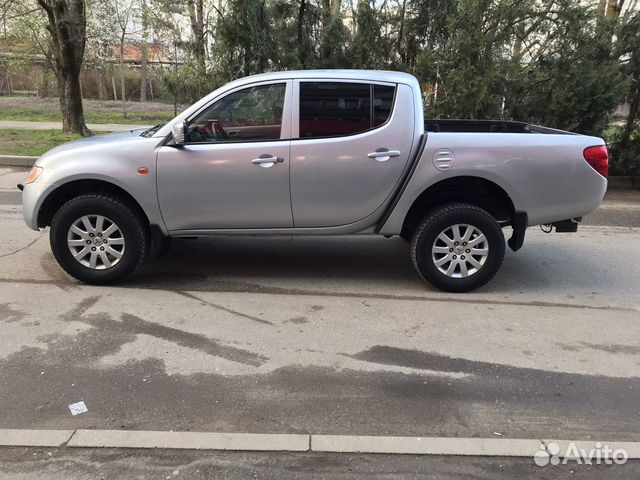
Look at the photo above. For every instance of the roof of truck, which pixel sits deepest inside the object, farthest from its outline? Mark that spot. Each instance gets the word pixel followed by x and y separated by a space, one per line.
pixel 366 75
pixel 380 75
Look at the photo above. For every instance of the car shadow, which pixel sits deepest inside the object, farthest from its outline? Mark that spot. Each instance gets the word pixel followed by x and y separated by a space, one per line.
pixel 356 262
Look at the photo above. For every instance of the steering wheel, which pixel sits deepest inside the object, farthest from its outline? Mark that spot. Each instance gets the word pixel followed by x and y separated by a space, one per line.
pixel 219 132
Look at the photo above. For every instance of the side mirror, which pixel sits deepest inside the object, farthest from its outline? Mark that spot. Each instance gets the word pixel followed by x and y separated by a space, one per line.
pixel 179 133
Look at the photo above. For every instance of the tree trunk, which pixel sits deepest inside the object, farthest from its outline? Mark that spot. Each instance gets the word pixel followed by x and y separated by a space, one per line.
pixel 113 86
pixel 144 50
pixel 196 18
pixel 123 90
pixel 67 28
pixel 71 105
pixel 102 89
pixel 611 12
pixel 302 54
pixel 335 8
pixel 399 49
pixel 144 76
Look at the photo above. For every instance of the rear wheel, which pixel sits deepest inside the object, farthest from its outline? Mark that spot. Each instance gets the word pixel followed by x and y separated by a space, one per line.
pixel 98 239
pixel 458 247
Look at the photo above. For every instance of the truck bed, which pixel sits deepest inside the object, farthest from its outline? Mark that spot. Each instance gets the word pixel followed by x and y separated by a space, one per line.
pixel 488 126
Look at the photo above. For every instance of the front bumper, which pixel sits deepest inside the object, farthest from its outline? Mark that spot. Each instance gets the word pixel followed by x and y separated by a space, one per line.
pixel 31 202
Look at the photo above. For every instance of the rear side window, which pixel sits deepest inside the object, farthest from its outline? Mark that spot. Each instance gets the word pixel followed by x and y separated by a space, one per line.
pixel 382 103
pixel 333 109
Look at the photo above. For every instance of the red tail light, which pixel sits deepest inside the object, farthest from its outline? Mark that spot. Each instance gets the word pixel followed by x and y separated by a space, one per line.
pixel 598 158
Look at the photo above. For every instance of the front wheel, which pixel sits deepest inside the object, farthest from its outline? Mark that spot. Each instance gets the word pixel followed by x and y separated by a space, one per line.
pixel 458 247
pixel 99 238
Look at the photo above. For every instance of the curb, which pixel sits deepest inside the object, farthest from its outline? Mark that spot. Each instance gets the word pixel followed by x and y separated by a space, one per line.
pixel 17 161
pixel 278 442
pixel 190 440
pixel 34 438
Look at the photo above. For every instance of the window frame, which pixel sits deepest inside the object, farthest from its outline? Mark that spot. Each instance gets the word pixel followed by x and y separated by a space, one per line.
pixel 295 111
pixel 285 124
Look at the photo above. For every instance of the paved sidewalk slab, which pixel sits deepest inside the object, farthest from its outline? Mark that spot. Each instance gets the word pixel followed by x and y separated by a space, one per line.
pixel 190 440
pixel 34 438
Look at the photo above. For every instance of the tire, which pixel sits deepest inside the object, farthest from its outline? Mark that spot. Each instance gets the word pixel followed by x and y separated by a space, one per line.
pixel 115 259
pixel 439 260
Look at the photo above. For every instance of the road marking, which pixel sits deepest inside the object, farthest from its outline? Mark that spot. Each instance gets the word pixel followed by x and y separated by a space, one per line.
pixel 34 438
pixel 278 442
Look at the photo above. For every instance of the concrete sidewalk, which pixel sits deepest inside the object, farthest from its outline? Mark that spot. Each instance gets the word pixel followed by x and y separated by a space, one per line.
pixel 95 127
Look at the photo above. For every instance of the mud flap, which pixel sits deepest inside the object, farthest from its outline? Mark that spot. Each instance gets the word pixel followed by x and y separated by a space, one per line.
pixel 519 225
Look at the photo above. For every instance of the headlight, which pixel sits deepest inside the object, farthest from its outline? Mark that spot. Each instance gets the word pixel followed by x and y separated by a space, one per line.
pixel 34 174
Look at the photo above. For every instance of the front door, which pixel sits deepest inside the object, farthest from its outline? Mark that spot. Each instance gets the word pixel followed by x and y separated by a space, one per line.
pixel 233 173
pixel 351 143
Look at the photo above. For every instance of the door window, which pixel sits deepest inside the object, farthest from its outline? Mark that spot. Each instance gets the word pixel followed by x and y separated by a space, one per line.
pixel 332 109
pixel 382 103
pixel 250 115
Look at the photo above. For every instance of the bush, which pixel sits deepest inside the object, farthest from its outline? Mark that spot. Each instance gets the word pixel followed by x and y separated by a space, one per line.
pixel 625 159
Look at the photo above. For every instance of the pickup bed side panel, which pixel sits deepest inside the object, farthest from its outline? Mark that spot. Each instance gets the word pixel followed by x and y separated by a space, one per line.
pixel 544 175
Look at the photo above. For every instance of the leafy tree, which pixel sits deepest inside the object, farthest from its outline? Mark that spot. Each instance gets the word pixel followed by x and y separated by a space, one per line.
pixel 626 150
pixel 370 49
pixel 573 82
pixel 244 40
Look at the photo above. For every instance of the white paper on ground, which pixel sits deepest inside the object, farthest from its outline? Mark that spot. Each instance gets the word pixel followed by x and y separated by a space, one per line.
pixel 78 408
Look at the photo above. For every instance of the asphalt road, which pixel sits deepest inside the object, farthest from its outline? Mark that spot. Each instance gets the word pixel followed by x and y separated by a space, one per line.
pixel 323 335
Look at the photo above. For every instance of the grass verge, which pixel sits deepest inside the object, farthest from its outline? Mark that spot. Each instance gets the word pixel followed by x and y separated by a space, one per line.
pixel 33 109
pixel 30 142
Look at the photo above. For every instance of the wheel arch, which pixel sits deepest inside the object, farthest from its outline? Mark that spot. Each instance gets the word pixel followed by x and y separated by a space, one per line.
pixel 66 191
pixel 474 190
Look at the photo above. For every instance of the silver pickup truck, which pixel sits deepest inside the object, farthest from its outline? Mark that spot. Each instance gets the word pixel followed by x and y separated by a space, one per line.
pixel 314 153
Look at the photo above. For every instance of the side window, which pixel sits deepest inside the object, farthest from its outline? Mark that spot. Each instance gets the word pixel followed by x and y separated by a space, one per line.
pixel 331 109
pixel 251 114
pixel 382 103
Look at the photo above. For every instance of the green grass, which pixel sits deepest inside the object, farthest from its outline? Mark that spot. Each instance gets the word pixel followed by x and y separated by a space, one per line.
pixel 34 109
pixel 149 117
pixel 32 142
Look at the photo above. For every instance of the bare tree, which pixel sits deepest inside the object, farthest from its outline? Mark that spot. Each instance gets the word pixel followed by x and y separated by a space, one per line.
pixel 197 21
pixel 144 73
pixel 122 12
pixel 67 28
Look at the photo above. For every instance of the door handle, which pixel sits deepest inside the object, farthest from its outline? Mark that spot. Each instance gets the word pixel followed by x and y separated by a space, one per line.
pixel 267 160
pixel 382 155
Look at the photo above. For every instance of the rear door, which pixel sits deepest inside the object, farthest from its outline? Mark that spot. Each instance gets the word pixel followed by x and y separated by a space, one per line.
pixel 351 143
